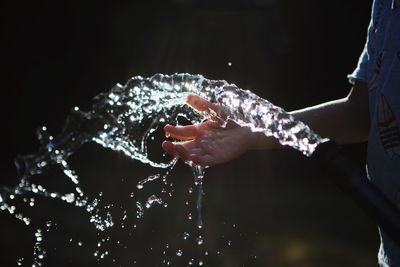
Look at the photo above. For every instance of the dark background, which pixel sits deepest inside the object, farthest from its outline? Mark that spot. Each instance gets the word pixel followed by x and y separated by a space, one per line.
pixel 59 54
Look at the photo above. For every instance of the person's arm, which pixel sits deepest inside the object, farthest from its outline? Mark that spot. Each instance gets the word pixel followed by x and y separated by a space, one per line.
pixel 344 120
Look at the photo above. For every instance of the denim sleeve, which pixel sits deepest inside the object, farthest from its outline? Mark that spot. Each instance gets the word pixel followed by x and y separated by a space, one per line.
pixel 361 71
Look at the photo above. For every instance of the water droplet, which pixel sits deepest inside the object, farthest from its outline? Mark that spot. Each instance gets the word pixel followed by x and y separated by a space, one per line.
pixel 186 235
pixel 20 261
pixel 69 198
pixel 150 178
pixel 179 253
pixel 200 240
pixel 153 199
pixel 139 210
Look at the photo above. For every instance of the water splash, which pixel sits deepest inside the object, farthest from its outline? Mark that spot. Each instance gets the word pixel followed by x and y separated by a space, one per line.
pixel 153 199
pixel 151 178
pixel 124 119
pixel 198 174
pixel 139 210
pixel 39 253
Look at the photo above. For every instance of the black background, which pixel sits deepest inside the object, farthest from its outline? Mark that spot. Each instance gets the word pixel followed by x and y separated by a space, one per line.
pixel 57 55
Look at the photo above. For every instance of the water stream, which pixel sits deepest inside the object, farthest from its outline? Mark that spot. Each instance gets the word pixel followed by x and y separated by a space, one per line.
pixel 124 119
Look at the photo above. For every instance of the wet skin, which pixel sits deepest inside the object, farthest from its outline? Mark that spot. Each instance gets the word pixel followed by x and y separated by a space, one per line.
pixel 207 144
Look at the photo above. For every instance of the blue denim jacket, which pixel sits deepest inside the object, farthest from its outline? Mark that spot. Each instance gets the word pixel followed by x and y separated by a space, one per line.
pixel 379 66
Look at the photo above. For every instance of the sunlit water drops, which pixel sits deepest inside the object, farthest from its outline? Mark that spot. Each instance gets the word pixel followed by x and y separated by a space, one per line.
pixel 125 119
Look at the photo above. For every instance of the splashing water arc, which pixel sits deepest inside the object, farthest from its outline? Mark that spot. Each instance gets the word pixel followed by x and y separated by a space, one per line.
pixel 125 117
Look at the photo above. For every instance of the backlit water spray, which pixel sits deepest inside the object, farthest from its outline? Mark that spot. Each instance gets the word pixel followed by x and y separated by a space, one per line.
pixel 124 119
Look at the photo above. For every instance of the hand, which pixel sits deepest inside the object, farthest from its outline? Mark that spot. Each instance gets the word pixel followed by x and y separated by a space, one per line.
pixel 208 143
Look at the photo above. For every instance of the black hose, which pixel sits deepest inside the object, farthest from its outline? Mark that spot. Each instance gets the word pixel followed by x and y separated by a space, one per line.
pixel 353 181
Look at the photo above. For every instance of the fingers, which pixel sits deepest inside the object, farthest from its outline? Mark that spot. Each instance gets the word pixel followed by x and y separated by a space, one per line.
pixel 205 160
pixel 181 132
pixel 169 147
pixel 179 149
pixel 202 104
pixel 182 151
pixel 196 156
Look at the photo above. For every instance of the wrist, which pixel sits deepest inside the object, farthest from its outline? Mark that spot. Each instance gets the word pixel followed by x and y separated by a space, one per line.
pixel 260 141
pixel 256 140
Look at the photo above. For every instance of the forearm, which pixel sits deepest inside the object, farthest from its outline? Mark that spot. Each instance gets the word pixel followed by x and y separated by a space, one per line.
pixel 344 120
pixel 335 120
